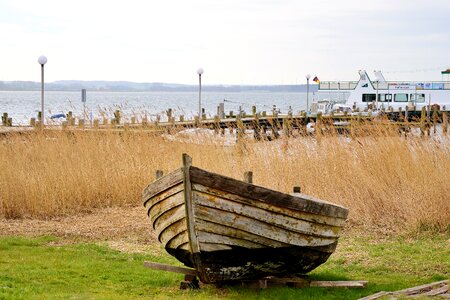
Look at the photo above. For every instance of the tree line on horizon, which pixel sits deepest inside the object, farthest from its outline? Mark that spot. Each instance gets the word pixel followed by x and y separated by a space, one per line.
pixel 123 86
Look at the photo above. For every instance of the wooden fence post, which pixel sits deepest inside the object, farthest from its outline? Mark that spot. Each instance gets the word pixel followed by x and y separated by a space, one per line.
pixel 319 124
pixel 297 189
pixel 444 122
pixel 5 119
pixel 203 114
pixel 159 174
pixel 144 121
pixel 117 117
pixel 435 117
pixel 221 111
pixel 240 129
pixel 216 124
pixel 248 176
pixel 423 121
pixel 256 127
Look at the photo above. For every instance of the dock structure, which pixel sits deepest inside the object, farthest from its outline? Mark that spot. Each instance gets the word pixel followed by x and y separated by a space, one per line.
pixel 262 125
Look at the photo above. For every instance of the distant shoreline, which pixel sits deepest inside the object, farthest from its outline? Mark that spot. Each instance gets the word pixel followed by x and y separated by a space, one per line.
pixel 125 86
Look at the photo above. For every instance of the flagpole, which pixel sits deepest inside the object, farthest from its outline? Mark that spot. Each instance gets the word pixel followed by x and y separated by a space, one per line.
pixel 307 92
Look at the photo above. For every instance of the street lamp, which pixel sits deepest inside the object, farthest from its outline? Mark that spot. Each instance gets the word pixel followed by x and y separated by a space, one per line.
pixel 200 72
pixel 308 76
pixel 42 60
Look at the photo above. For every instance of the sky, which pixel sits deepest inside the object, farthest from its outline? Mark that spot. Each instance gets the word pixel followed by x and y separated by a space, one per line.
pixel 234 41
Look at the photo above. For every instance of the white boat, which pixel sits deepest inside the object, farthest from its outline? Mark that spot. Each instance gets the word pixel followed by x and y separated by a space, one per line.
pixel 380 94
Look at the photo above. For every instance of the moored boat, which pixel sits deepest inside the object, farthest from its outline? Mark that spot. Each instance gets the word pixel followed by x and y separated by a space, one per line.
pixel 227 229
pixel 380 94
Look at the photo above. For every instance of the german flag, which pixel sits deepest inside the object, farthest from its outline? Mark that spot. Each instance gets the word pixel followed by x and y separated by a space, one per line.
pixel 316 80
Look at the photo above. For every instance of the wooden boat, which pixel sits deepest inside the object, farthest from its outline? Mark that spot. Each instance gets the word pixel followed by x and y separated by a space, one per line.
pixel 228 229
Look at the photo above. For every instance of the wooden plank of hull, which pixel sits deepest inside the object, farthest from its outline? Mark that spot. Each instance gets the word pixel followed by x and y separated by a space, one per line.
pixel 178 240
pixel 170 217
pixel 260 228
pixel 266 215
pixel 247 190
pixel 185 247
pixel 162 184
pixel 163 207
pixel 205 226
pixel 318 219
pixel 163 196
pixel 171 231
pixel 212 238
pixel 211 247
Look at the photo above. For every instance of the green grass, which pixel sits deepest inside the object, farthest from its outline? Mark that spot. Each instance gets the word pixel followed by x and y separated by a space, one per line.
pixel 50 268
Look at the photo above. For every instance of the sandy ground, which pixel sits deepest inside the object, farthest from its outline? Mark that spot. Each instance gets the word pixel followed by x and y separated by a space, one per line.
pixel 122 228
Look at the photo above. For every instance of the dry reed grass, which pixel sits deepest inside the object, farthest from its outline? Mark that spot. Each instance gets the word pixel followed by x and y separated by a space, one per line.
pixel 387 181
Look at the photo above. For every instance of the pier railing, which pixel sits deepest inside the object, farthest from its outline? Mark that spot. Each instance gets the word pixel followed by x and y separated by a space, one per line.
pixel 386 85
pixel 337 85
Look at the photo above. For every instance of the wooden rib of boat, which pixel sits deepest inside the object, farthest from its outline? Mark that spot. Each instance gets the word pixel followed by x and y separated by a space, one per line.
pixel 227 229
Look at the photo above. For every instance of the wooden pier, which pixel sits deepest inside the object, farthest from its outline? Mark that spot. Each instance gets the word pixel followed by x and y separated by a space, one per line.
pixel 262 125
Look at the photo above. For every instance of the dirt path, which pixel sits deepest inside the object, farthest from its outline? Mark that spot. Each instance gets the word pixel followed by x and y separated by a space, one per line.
pixel 123 228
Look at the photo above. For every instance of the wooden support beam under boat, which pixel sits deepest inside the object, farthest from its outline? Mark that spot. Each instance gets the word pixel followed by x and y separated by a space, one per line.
pixel 301 282
pixel 264 282
pixel 169 268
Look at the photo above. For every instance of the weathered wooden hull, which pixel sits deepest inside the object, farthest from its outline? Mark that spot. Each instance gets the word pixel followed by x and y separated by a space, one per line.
pixel 231 230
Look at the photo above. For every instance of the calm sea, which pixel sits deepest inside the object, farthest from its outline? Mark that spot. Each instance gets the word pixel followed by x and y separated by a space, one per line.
pixel 23 105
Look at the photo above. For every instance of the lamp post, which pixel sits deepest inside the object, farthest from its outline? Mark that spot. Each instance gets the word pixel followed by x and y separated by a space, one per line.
pixel 308 76
pixel 200 72
pixel 42 60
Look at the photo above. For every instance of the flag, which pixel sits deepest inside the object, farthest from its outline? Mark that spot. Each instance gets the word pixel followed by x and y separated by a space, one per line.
pixel 316 80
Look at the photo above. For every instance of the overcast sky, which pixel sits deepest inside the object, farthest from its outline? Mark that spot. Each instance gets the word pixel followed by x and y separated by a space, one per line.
pixel 235 41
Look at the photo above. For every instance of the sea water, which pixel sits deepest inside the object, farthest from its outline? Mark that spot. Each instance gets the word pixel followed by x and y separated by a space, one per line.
pixel 23 105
